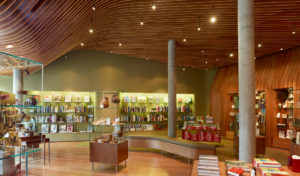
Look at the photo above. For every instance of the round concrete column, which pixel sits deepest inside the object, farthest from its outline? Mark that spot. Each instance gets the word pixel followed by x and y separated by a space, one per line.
pixel 172 88
pixel 18 83
pixel 247 140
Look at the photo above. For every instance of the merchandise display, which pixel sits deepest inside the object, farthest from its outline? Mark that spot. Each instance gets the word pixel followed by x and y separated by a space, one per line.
pixel 208 165
pixel 148 111
pixel 203 129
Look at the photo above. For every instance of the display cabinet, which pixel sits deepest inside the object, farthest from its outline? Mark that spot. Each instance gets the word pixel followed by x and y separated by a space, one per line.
pixel 149 111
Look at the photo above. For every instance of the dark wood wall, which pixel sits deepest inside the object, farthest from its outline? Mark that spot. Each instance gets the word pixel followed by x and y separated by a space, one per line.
pixel 276 71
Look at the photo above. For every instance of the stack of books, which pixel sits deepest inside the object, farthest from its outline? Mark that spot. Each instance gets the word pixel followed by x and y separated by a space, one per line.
pixel 237 168
pixel 273 171
pixel 265 163
pixel 208 165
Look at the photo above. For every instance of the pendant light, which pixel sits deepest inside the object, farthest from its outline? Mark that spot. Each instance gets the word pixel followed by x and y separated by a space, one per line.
pixel 199 28
pixel 183 36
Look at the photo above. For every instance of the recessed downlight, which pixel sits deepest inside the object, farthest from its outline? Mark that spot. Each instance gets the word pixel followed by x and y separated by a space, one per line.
pixel 9 46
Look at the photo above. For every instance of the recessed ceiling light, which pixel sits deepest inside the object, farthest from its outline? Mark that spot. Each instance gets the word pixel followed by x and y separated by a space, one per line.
pixel 184 40
pixel 91 31
pixel 213 19
pixel 153 7
pixel 217 59
pixel 110 51
pixel 206 69
pixel 147 58
pixel 202 51
pixel 206 62
pixel 294 32
pixel 281 49
pixel 81 44
pixel 183 69
pixel 9 46
pixel 259 45
pixel 120 44
pixel 231 54
pixel 198 29
pixel 93 8
pixel 141 23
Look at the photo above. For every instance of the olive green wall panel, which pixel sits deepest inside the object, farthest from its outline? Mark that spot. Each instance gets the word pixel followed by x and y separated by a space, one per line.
pixel 88 70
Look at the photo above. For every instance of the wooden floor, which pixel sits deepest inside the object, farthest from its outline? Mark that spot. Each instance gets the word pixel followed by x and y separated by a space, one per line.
pixel 72 158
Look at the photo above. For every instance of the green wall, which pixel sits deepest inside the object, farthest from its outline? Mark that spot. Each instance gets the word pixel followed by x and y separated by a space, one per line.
pixel 86 70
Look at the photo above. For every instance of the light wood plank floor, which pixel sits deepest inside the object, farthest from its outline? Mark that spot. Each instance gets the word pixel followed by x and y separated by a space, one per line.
pixel 72 158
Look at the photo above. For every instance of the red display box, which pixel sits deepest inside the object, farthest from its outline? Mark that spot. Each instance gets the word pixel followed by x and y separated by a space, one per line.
pixel 294 164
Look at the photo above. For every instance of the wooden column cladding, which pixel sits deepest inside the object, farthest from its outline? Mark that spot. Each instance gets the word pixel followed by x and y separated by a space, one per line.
pixel 277 71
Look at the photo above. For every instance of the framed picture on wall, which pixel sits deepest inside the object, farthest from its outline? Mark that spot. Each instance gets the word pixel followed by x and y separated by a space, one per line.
pixel 68 98
pixel 48 98
pixel 77 98
pixel 57 98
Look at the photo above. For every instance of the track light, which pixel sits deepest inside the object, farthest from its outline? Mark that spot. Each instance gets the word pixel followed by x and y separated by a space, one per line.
pixel 153 7
pixel 81 44
pixel 213 19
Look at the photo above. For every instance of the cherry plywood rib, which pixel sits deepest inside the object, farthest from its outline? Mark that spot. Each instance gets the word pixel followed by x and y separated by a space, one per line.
pixel 277 71
pixel 44 30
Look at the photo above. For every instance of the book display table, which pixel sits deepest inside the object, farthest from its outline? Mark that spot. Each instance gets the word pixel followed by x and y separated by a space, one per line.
pixel 109 153
pixel 8 154
pixel 202 132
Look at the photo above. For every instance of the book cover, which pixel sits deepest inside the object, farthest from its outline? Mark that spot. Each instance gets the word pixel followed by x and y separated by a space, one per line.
pixel 62 128
pixel 235 171
pixel 87 99
pixel 48 98
pixel 45 128
pixel 69 128
pixel 78 98
pixel 53 128
pixel 68 98
pixel 57 98
pixel 237 164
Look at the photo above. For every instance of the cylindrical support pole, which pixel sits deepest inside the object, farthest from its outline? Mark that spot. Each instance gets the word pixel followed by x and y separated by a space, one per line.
pixel 246 43
pixel 171 88
pixel 18 83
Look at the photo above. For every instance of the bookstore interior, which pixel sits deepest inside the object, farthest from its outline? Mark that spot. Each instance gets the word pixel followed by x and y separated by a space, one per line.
pixel 131 88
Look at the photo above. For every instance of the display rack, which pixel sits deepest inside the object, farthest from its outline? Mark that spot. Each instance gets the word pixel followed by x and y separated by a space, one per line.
pixel 149 111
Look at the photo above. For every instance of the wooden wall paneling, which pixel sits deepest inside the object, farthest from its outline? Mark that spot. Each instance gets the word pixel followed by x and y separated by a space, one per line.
pixel 276 71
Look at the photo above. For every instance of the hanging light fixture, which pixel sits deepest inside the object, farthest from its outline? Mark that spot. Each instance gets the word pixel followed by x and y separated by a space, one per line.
pixel 91 26
pixel 153 6
pixel 199 28
pixel 183 36
pixel 213 18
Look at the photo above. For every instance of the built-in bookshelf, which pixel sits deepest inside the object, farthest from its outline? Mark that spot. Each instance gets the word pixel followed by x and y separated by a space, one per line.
pixel 62 112
pixel 149 111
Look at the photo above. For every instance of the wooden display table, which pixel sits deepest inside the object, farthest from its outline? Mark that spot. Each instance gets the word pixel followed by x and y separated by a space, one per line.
pixel 108 153
pixel 223 169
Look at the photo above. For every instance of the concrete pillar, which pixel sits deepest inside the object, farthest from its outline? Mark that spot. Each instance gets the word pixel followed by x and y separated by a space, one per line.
pixel 171 88
pixel 18 83
pixel 246 65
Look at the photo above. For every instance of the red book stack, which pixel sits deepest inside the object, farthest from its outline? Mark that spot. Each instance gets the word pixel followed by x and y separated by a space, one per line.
pixel 235 171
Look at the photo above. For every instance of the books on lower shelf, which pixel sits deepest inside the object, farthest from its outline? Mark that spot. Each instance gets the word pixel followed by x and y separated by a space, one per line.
pixel 235 171
pixel 265 163
pixel 237 164
pixel 208 165
pixel 273 171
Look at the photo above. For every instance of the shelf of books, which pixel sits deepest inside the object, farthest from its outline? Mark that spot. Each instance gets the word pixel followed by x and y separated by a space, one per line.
pixel 60 115
pixel 149 111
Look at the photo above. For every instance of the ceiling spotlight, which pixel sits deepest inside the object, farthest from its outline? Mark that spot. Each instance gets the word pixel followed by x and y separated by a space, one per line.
pixel 294 33
pixel 217 59
pixel 206 62
pixel 93 8
pixel 231 54
pixel 206 69
pixel 281 49
pixel 147 58
pixel 198 29
pixel 110 51
pixel 213 19
pixel 120 44
pixel 141 23
pixel 91 30
pixel 153 7
pixel 259 45
pixel 184 40
pixel 202 51
pixel 183 69
pixel 9 46
pixel 81 44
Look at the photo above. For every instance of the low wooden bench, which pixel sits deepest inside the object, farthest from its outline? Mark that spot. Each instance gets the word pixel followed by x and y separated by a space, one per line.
pixel 187 149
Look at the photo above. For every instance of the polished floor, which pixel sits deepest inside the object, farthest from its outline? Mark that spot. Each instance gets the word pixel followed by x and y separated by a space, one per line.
pixel 72 159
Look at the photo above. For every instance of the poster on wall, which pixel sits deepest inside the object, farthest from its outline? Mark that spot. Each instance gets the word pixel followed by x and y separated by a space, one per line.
pixel 57 98
pixel 78 98
pixel 68 98
pixel 48 98
pixel 62 128
pixel 53 128
pixel 69 128
pixel 87 99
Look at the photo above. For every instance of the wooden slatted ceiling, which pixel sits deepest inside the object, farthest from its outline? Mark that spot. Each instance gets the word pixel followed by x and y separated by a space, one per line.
pixel 44 30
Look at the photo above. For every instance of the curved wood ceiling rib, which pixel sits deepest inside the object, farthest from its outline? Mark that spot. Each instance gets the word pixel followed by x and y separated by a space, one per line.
pixel 43 30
